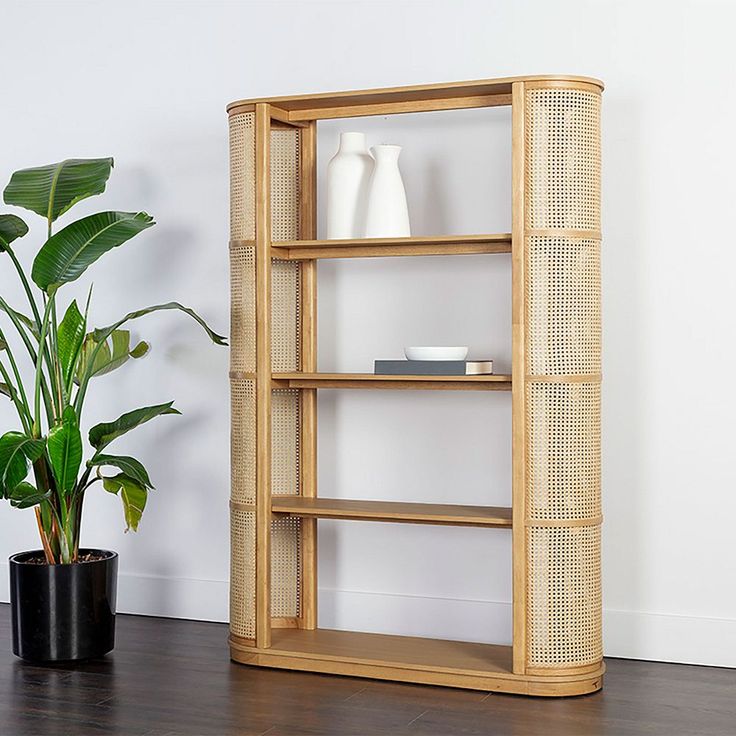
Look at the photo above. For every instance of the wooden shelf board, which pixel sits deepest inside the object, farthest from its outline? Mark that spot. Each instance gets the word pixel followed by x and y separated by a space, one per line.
pixel 416 98
pixel 408 659
pixel 392 511
pixel 387 247
pixel 372 381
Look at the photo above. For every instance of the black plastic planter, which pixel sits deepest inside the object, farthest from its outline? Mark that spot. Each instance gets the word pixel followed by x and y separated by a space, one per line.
pixel 63 612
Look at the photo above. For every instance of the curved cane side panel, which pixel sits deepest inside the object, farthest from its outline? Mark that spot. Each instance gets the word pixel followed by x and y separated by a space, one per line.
pixel 563 364
pixel 242 359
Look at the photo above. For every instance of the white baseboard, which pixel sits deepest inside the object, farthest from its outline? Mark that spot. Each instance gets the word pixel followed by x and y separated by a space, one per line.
pixel 659 637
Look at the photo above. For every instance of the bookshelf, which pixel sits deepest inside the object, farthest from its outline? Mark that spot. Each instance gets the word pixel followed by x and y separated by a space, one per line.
pixel 555 516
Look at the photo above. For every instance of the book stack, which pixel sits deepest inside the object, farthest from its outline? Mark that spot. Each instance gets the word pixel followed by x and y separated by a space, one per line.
pixel 433 367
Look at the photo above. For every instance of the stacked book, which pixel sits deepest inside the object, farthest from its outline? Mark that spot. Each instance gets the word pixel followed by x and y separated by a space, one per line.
pixel 433 367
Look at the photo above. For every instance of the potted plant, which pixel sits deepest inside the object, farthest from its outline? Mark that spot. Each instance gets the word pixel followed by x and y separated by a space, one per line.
pixel 63 596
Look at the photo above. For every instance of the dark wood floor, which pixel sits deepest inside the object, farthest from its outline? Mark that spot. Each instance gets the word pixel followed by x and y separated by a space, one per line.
pixel 170 678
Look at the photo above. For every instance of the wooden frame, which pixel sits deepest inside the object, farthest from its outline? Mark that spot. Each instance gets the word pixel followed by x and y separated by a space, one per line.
pixel 554 515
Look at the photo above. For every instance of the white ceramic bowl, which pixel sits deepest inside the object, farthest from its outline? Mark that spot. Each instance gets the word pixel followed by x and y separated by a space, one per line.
pixel 436 353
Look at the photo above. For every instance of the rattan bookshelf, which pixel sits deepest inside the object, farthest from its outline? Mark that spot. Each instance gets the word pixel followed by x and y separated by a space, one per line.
pixel 555 515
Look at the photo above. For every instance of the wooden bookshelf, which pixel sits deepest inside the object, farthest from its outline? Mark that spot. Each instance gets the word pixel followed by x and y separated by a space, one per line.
pixel 555 511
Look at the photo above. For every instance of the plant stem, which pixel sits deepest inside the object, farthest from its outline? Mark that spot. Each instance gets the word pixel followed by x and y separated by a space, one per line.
pixel 25 417
pixel 39 360
pixel 33 355
pixel 44 539
pixel 26 285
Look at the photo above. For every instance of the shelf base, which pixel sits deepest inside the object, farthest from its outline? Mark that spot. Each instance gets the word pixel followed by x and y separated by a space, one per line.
pixel 410 659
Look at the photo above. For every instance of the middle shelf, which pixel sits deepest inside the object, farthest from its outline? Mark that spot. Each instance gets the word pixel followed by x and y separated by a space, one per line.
pixel 500 382
pixel 411 513
pixel 417 245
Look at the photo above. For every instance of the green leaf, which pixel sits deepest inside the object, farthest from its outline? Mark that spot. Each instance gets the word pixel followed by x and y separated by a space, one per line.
pixel 29 323
pixel 140 350
pixel 70 338
pixel 132 494
pixel 101 435
pixel 65 256
pixel 104 332
pixel 5 390
pixel 25 495
pixel 51 190
pixel 65 450
pixel 11 227
pixel 16 451
pixel 129 465
pixel 111 355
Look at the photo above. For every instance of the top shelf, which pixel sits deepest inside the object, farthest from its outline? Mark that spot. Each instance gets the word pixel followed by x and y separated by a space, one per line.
pixel 295 250
pixel 393 100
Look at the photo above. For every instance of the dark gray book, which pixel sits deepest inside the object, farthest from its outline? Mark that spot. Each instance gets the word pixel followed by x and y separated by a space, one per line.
pixel 432 367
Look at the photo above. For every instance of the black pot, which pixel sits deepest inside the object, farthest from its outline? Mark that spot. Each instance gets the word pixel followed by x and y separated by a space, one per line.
pixel 63 612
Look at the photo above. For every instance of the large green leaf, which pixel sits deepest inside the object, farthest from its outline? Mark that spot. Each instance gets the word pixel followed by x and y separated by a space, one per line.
pixel 132 494
pixel 65 450
pixel 25 495
pixel 113 353
pixel 16 451
pixel 66 255
pixel 129 465
pixel 101 435
pixel 11 227
pixel 104 332
pixel 51 190
pixel 69 341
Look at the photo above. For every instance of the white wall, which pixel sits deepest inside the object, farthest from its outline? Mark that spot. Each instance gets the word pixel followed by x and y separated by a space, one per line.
pixel 147 82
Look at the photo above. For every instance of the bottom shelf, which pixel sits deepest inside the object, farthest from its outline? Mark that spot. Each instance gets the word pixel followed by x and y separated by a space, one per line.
pixel 409 659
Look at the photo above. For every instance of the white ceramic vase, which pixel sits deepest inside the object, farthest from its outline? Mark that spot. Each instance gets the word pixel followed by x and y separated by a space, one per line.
pixel 387 214
pixel 348 176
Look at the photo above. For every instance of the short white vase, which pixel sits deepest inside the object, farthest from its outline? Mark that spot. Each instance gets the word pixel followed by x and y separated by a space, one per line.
pixel 387 214
pixel 348 176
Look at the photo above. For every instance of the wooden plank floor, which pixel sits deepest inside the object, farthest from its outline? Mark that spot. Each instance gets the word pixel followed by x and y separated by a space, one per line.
pixel 173 678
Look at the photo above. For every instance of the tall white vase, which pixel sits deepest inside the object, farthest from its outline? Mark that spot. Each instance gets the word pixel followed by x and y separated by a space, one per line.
pixel 348 176
pixel 387 213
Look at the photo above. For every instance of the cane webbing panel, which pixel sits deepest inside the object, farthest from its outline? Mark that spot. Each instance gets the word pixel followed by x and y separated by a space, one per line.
pixel 242 177
pixel 285 316
pixel 285 567
pixel 285 184
pixel 285 443
pixel 563 458
pixel 243 573
pixel 564 596
pixel 285 343
pixel 563 166
pixel 563 306
pixel 242 309
pixel 243 440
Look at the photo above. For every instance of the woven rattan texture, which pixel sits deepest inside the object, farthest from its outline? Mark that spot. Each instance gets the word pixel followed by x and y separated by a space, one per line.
pixel 285 286
pixel 564 596
pixel 285 316
pixel 563 306
pixel 242 177
pixel 285 567
pixel 285 343
pixel 285 443
pixel 242 309
pixel 563 167
pixel 243 573
pixel 284 184
pixel 243 440
pixel 563 458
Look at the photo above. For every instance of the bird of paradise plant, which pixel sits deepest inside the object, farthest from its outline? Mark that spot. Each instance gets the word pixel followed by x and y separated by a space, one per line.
pixel 63 356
